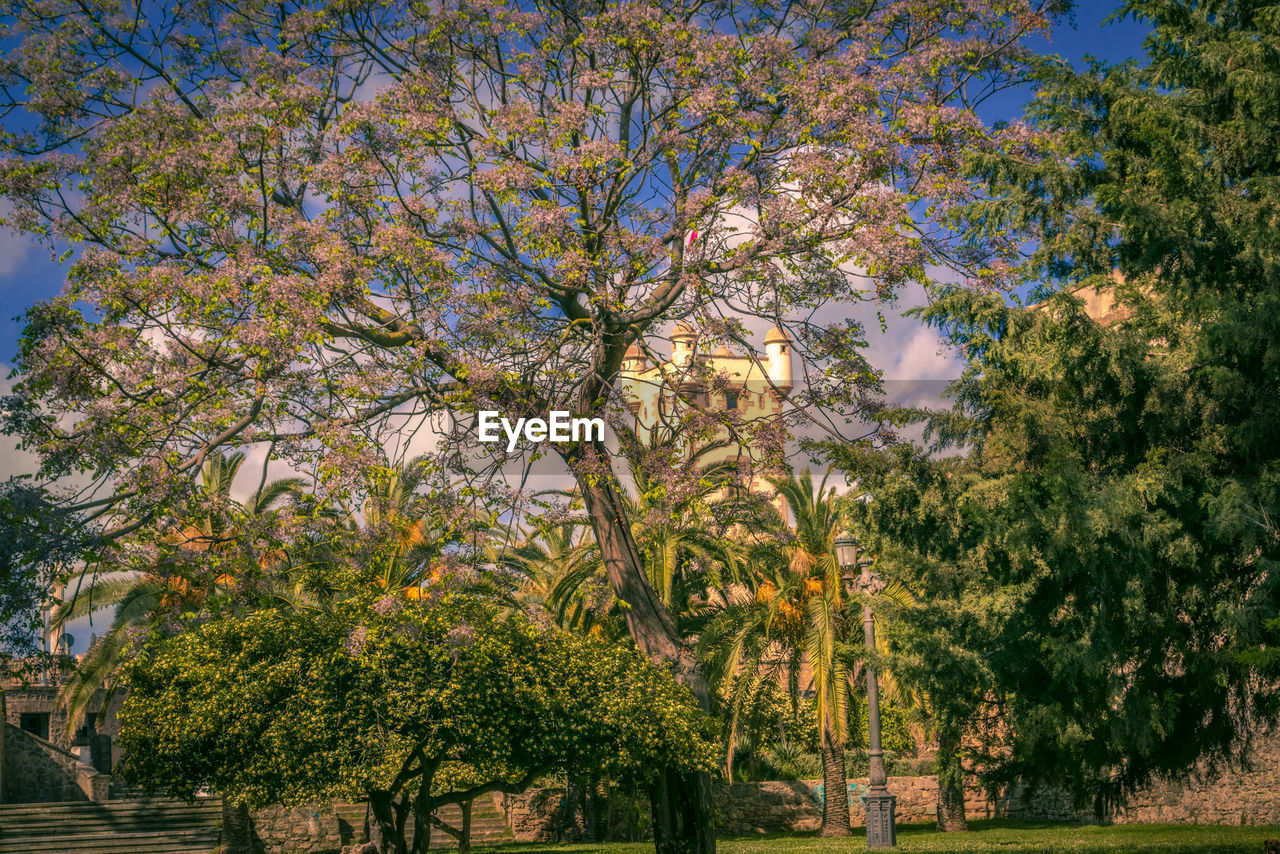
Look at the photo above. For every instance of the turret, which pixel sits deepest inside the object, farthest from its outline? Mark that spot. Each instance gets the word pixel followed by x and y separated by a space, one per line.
pixel 682 338
pixel 633 361
pixel 777 348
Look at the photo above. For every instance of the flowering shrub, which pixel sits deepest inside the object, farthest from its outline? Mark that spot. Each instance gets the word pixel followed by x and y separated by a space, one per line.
pixel 445 704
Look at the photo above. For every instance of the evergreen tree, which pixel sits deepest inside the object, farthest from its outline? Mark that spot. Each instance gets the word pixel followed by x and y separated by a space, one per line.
pixel 1102 565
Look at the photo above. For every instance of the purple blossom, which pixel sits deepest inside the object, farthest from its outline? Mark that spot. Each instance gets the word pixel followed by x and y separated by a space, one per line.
pixel 356 641
pixel 461 635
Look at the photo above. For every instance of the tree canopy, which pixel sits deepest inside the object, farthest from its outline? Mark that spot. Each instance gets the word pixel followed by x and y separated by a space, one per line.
pixel 410 706
pixel 310 228
pixel 302 225
pixel 39 540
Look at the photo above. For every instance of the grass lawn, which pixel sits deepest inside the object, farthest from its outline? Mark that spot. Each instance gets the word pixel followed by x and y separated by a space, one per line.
pixel 1015 837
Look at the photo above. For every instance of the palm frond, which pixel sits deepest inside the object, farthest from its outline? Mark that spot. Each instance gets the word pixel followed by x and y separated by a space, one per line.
pixel 103 591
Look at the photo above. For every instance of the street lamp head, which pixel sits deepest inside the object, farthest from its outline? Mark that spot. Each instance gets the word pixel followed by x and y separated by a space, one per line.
pixel 846 549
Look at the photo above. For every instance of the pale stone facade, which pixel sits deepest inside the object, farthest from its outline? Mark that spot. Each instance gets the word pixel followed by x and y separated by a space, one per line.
pixel 749 387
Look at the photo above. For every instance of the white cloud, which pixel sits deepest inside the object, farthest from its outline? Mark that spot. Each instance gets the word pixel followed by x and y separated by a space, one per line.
pixel 14 247
pixel 13 461
pixel 14 250
pixel 923 357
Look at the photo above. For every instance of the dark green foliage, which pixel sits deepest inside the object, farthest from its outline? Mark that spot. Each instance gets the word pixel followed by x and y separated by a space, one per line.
pixel 1100 573
pixel 1082 579
pixel 415 707
pixel 895 733
pixel 38 541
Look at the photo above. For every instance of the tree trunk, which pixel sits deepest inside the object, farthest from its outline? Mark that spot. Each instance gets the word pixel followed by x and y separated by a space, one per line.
pixel 381 824
pixel 237 829
pixel 422 830
pixel 681 802
pixel 633 808
pixel 591 810
pixel 835 804
pixel 680 805
pixel 567 825
pixel 950 782
pixel 424 807
pixel 464 841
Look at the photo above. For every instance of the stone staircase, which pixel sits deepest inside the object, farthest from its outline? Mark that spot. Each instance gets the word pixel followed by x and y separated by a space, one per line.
pixel 172 827
pixel 112 827
pixel 488 822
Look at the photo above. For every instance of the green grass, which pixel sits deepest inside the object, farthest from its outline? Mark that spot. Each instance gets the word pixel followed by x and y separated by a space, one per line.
pixel 1013 837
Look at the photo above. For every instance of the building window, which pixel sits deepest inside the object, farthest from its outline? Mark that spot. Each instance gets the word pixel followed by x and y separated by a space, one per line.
pixel 730 401
pixel 35 723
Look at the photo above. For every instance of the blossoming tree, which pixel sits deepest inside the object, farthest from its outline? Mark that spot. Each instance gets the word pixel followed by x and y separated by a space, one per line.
pixel 307 227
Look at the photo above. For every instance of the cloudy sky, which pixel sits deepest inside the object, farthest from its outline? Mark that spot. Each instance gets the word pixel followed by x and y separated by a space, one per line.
pixel 906 351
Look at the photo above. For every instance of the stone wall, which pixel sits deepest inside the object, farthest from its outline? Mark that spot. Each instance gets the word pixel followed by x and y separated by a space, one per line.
pixel 742 809
pixel 23 699
pixel 36 771
pixel 38 699
pixel 538 815
pixel 1240 796
pixel 309 829
pixel 770 807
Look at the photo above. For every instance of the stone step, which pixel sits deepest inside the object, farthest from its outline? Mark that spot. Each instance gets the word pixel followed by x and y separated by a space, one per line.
pixel 35 827
pixel 94 815
pixel 89 807
pixel 146 842
pixel 173 827
pixel 113 827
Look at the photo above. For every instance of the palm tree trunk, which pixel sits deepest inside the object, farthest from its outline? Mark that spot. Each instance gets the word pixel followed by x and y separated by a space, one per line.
pixel 835 804
pixel 951 815
pixel 681 802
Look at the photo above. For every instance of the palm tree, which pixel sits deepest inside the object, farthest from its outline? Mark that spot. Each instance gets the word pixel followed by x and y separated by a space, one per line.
pixel 558 568
pixel 685 540
pixel 794 615
pixel 820 623
pixel 402 537
pixel 139 596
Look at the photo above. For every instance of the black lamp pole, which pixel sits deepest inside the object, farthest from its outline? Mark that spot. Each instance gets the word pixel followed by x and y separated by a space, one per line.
pixel 878 803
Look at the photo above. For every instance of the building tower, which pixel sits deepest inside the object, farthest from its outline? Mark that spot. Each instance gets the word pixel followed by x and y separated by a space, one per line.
pixel 633 361
pixel 777 348
pixel 682 338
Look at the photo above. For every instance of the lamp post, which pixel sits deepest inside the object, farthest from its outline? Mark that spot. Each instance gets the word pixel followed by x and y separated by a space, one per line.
pixel 877 803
